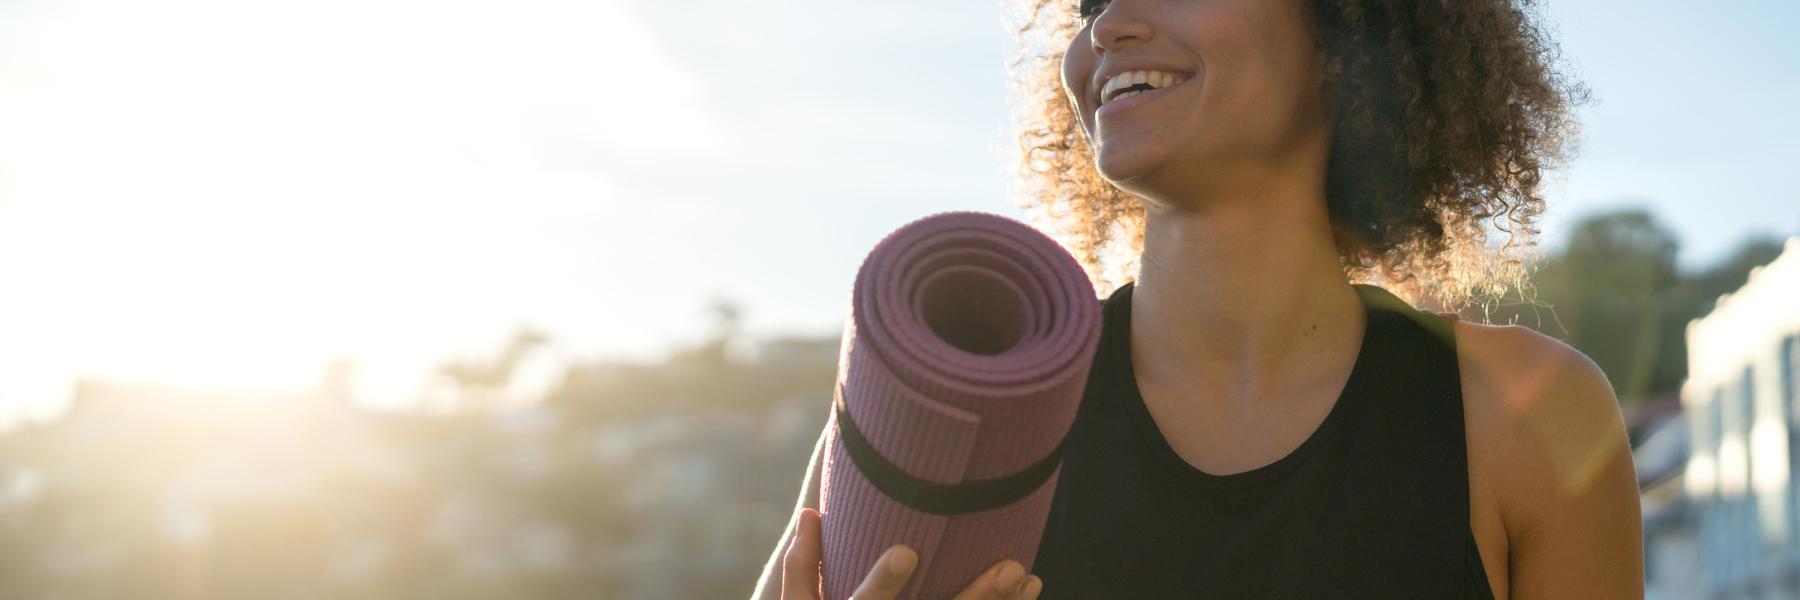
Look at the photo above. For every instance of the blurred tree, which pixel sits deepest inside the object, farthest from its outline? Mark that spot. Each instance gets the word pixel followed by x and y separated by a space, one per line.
pixel 704 377
pixel 477 383
pixel 1616 279
pixel 1731 273
pixel 1615 293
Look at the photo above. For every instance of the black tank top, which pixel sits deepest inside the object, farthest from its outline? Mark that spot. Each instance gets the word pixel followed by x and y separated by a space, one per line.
pixel 1374 504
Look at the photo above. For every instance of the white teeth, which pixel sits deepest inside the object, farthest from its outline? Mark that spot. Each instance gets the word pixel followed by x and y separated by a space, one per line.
pixel 1156 79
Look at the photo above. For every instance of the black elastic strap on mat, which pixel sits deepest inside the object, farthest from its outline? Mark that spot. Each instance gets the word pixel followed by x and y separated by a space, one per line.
pixel 937 498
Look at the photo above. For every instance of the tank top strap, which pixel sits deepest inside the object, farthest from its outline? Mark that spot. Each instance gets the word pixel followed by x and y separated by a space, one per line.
pixel 1409 438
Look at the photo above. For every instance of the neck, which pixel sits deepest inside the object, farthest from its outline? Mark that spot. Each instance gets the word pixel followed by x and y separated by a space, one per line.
pixel 1243 295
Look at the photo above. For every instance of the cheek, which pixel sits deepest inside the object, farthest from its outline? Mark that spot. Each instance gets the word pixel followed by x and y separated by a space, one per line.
pixel 1077 70
pixel 1278 67
pixel 1247 77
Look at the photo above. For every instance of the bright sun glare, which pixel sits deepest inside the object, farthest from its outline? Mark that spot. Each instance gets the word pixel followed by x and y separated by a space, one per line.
pixel 233 193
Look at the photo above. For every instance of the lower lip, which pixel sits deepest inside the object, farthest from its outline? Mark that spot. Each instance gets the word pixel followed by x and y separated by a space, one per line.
pixel 1119 105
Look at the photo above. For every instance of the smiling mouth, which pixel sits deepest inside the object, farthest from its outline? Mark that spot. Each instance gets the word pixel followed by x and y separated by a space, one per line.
pixel 1127 99
pixel 1133 91
pixel 1132 83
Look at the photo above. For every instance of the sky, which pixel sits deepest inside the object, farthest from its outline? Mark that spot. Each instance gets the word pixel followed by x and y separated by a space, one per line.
pixel 232 193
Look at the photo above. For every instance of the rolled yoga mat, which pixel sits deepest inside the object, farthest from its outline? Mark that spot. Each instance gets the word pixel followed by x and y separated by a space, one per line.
pixel 963 362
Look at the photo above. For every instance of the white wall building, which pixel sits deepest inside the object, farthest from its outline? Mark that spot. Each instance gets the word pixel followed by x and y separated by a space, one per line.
pixel 1739 400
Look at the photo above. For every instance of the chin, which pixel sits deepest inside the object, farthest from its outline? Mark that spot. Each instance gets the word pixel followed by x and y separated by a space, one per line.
pixel 1122 167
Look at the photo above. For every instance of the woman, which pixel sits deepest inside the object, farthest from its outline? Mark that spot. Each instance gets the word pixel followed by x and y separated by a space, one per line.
pixel 1261 421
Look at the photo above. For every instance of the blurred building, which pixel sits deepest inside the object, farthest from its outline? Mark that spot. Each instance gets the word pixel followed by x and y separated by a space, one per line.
pixel 1739 512
pixel 1671 550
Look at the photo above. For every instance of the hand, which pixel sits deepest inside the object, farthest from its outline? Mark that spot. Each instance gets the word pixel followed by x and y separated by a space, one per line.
pixel 800 572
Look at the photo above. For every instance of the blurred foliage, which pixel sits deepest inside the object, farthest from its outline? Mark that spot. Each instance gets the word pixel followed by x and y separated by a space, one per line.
pixel 669 480
pixel 1615 293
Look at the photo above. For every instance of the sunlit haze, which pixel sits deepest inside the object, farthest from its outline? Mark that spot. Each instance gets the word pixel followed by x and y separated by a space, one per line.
pixel 233 194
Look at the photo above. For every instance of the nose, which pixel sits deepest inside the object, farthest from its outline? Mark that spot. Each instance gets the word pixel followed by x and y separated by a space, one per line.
pixel 1118 26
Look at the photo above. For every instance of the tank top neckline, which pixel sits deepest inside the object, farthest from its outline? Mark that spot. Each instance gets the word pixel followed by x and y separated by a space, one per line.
pixel 1153 441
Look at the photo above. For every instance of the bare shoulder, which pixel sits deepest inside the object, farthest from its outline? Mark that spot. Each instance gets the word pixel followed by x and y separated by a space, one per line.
pixel 1549 455
pixel 1541 402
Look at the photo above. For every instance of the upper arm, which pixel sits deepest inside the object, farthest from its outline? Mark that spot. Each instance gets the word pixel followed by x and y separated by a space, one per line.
pixel 769 584
pixel 1568 488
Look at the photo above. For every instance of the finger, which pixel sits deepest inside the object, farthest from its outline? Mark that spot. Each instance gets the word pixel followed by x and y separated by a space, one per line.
pixel 800 567
pixel 998 582
pixel 1033 587
pixel 888 575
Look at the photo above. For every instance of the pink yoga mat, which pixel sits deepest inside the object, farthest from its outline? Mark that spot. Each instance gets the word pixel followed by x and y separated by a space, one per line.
pixel 963 362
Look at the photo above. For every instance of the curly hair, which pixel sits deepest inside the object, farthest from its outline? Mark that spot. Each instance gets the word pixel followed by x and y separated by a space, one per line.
pixel 1447 114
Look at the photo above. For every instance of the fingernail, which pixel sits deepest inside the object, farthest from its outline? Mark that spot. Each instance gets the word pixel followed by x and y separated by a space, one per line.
pixel 1009 576
pixel 1024 584
pixel 899 561
pixel 1033 587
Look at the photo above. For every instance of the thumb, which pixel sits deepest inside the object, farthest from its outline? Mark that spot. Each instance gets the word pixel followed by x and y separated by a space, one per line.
pixel 800 567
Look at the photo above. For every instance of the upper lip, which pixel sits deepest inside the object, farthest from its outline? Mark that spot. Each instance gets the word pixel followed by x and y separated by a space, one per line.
pixel 1107 72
